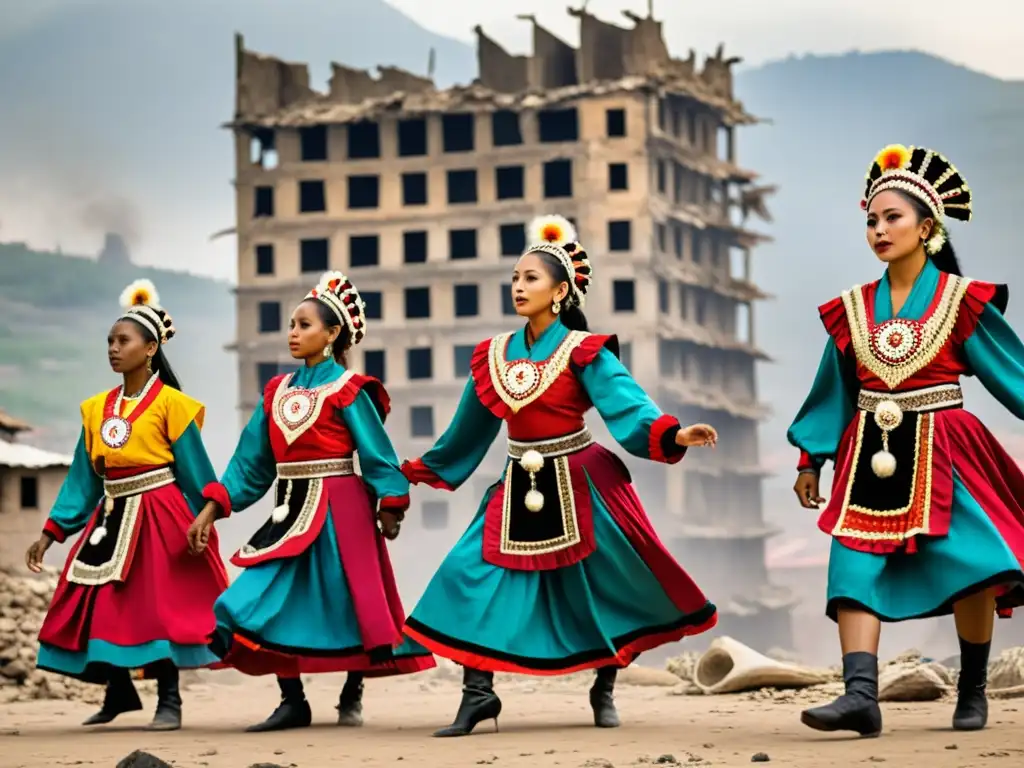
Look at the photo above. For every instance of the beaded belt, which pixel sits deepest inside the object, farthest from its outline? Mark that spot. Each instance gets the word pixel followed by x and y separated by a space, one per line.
pixel 556 446
pixel 307 470
pixel 132 486
pixel 920 400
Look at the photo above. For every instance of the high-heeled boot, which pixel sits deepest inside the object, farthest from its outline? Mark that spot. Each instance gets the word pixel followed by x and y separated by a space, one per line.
pixel 168 699
pixel 856 710
pixel 971 713
pixel 292 712
pixel 479 702
pixel 119 698
pixel 602 700
pixel 350 703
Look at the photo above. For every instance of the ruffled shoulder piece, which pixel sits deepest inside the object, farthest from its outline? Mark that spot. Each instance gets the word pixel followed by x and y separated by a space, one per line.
pixel 483 384
pixel 356 383
pixel 977 296
pixel 271 389
pixel 837 324
pixel 590 347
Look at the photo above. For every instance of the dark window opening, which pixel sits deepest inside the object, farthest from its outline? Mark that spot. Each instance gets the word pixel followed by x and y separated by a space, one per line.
pixel 462 186
pixel 313 143
pixel 663 296
pixel 374 364
pixel 29 492
pixel 457 132
pixel 558 125
pixel 363 192
pixel 505 130
pixel 509 182
pixel 620 235
pixel 662 176
pixel 265 259
pixel 618 176
pixel 463 355
pixel 363 250
pixel 263 202
pixel 374 302
pixel 624 295
pixel 695 246
pixel 508 306
pixel 513 239
pixel 412 137
pixel 467 301
pixel 363 140
pixel 417 303
pixel 677 237
pixel 314 255
pixel 420 363
pixel 270 316
pixel 662 234
pixel 414 189
pixel 414 247
pixel 266 371
pixel 462 244
pixel 434 515
pixel 262 149
pixel 312 196
pixel 615 122
pixel 421 421
pixel 558 178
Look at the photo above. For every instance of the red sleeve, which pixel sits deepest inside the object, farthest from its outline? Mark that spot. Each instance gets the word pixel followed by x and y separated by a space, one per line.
pixel 806 462
pixel 373 387
pixel 480 368
pixel 591 346
pixel 977 296
pixel 418 473
pixel 54 531
pixel 662 445
pixel 833 317
pixel 218 493
pixel 396 504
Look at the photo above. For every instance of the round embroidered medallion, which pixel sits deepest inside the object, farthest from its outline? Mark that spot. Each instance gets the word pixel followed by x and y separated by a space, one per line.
pixel 115 431
pixel 296 407
pixel 521 378
pixel 895 341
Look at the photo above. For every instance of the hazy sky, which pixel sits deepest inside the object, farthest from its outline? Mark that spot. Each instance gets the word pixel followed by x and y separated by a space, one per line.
pixel 984 34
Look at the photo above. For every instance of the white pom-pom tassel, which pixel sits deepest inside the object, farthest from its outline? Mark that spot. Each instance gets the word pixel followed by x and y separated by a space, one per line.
pixel 534 500
pixel 279 514
pixel 98 535
pixel 883 464
pixel 532 461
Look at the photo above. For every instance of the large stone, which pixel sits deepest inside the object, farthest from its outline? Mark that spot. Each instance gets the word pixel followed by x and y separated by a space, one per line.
pixel 140 759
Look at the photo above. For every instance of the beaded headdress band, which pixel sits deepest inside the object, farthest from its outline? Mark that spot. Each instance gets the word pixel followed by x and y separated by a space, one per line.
pixel 556 236
pixel 141 303
pixel 338 294
pixel 926 175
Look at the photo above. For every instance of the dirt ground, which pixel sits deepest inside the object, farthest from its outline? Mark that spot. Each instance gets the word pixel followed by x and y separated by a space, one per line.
pixel 544 723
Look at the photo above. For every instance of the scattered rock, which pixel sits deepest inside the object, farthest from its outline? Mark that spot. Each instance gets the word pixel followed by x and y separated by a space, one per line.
pixel 140 759
pixel 760 757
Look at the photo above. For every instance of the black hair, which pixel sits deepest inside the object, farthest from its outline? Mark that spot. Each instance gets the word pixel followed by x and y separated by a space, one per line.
pixel 330 320
pixel 159 360
pixel 572 316
pixel 945 259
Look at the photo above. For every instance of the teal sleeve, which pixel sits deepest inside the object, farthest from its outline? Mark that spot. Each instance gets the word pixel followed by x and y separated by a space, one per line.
pixel 252 469
pixel 633 419
pixel 996 356
pixel 78 497
pixel 378 461
pixel 192 466
pixel 827 411
pixel 459 451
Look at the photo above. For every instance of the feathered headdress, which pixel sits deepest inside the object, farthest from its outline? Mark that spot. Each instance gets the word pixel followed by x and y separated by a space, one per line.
pixel 336 291
pixel 556 235
pixel 926 175
pixel 141 303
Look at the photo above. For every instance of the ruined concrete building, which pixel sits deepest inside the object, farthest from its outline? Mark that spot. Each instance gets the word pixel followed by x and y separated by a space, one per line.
pixel 421 196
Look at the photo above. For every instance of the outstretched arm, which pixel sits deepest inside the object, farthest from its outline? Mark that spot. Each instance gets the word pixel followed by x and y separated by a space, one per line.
pixel 79 495
pixel 825 414
pixel 378 462
pixel 996 356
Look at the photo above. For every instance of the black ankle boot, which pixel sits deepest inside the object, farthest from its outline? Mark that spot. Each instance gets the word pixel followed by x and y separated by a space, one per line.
pixel 120 697
pixel 292 712
pixel 350 703
pixel 602 700
pixel 971 713
pixel 479 702
pixel 856 710
pixel 168 700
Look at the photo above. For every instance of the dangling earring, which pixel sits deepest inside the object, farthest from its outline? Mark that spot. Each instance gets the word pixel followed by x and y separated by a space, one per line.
pixel 149 365
pixel 556 306
pixel 329 349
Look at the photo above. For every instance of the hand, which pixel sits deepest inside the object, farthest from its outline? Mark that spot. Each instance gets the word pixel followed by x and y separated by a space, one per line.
pixel 390 524
pixel 806 489
pixel 199 531
pixel 697 435
pixel 34 555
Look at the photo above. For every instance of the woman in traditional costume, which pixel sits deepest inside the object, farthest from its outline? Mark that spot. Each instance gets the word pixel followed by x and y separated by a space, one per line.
pixel 925 513
pixel 560 570
pixel 317 593
pixel 130 597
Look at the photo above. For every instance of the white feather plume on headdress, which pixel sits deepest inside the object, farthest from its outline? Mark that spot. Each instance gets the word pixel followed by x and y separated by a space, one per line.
pixel 140 293
pixel 551 229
